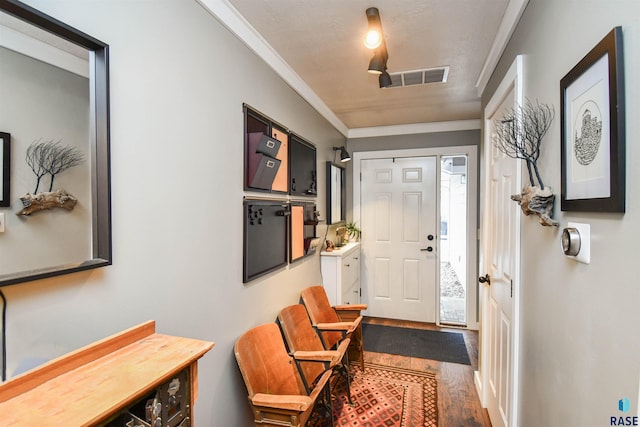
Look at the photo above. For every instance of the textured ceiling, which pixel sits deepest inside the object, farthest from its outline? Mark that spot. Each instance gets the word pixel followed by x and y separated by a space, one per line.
pixel 321 40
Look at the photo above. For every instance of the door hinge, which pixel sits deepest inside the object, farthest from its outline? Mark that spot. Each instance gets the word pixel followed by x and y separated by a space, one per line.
pixel 511 288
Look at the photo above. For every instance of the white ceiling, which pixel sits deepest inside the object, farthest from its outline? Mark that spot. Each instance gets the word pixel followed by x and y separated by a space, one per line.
pixel 316 45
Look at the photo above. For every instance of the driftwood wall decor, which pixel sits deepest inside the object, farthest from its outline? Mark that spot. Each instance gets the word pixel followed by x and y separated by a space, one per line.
pixel 519 136
pixel 49 158
pixel 49 200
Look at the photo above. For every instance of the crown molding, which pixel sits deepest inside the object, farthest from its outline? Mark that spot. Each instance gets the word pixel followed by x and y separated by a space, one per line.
pixel 229 16
pixel 415 128
pixel 512 15
pixel 42 51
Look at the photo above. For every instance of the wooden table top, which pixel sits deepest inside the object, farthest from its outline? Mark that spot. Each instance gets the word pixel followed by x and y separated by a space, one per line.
pixel 87 386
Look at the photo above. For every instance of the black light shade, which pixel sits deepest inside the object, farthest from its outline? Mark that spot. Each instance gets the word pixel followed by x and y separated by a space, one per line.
pixel 378 63
pixel 385 79
pixel 344 154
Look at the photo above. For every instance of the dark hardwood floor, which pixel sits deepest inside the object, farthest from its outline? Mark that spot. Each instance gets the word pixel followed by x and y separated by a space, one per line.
pixel 458 402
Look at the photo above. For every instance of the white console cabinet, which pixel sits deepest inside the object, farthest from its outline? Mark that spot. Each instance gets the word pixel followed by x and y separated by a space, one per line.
pixel 341 274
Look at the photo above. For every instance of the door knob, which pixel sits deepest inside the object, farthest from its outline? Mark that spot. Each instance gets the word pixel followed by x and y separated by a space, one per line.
pixel 428 249
pixel 485 279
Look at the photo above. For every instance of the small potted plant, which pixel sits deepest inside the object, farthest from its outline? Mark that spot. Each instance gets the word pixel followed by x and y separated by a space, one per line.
pixel 353 231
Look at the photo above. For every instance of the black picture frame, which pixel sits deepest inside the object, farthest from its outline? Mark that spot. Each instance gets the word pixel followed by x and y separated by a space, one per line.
pixel 593 130
pixel 266 235
pixel 266 153
pixel 302 167
pixel 101 237
pixel 5 175
pixel 302 230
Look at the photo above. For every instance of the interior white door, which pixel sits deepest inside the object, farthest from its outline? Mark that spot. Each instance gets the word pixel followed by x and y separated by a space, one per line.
pixel 500 254
pixel 398 221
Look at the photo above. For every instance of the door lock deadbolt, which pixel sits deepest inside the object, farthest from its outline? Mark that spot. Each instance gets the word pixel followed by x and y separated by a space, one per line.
pixel 485 279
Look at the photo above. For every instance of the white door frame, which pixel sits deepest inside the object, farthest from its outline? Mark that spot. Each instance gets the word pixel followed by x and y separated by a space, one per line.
pixel 513 80
pixel 472 225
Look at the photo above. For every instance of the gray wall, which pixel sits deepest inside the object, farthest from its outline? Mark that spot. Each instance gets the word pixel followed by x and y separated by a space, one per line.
pixel 579 345
pixel 178 81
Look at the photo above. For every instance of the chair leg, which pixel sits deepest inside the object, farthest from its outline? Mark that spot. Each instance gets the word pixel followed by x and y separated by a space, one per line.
pixel 322 415
pixel 328 402
pixel 359 345
pixel 344 368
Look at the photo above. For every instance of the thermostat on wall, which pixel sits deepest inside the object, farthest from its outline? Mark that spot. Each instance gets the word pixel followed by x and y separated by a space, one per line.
pixel 575 241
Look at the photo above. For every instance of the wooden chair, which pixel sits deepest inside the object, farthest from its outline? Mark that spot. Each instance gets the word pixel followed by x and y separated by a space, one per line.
pixel 333 324
pixel 306 346
pixel 276 391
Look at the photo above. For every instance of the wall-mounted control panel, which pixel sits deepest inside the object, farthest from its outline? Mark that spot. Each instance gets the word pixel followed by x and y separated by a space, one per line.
pixel 575 241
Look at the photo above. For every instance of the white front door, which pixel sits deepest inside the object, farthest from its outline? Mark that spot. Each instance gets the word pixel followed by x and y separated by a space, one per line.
pixel 500 260
pixel 398 222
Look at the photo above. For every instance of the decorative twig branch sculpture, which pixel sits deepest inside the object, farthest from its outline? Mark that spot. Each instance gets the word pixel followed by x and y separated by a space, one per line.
pixel 49 158
pixel 519 135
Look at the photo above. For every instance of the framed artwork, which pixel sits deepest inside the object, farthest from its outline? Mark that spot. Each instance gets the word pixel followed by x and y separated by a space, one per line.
pixel 593 130
pixel 5 164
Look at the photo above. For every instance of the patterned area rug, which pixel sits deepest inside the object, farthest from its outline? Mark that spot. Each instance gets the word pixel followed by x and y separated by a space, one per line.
pixel 385 396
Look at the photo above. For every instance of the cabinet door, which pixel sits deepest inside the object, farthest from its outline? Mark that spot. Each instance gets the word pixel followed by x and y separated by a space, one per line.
pixel 351 278
pixel 351 295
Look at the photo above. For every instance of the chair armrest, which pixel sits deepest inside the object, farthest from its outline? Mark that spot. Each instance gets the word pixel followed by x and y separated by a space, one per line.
pixel 338 326
pixel 292 402
pixel 350 317
pixel 350 307
pixel 316 356
pixel 343 346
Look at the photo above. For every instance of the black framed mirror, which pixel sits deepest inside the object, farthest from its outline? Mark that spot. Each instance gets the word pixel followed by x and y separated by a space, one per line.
pixel 336 194
pixel 53 242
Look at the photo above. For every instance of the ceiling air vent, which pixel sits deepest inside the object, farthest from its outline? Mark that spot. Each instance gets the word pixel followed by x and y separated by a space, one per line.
pixel 419 77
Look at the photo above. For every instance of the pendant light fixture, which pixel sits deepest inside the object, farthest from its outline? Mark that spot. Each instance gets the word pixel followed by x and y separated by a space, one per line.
pixel 374 40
